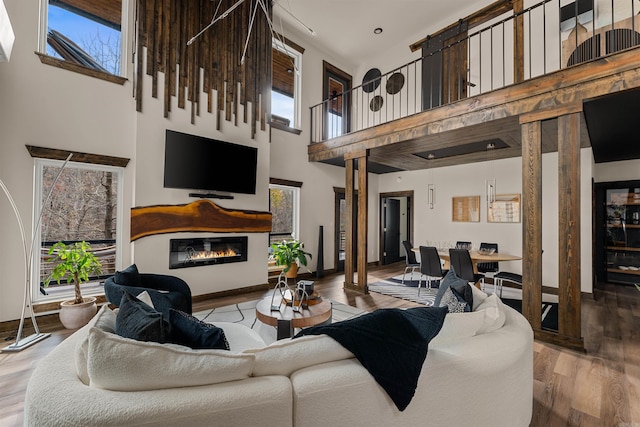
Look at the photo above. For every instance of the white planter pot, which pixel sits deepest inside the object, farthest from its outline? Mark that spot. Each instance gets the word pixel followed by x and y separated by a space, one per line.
pixel 74 316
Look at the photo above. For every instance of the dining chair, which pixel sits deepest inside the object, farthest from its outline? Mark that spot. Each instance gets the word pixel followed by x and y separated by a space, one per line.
pixel 412 262
pixel 489 269
pixel 463 245
pixel 460 262
pixel 430 266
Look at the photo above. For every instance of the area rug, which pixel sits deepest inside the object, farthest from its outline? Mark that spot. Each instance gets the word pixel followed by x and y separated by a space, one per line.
pixel 245 314
pixel 394 287
pixel 549 312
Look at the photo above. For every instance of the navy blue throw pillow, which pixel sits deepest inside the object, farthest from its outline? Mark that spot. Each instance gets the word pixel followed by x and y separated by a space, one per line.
pixel 192 332
pixel 457 283
pixel 139 321
pixel 128 277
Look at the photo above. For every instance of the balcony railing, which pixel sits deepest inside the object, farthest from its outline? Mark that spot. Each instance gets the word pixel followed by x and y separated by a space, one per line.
pixel 508 50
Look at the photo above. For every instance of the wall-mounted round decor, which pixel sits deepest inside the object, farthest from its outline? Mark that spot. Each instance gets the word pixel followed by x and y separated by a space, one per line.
pixel 376 103
pixel 371 80
pixel 395 83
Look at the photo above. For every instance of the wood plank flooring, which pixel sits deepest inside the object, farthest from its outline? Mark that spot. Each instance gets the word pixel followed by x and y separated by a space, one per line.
pixel 599 388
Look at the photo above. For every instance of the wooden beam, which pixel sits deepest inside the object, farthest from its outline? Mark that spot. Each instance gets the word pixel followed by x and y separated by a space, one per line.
pixel 518 45
pixel 532 224
pixel 202 215
pixel 78 156
pixel 551 112
pixel 363 223
pixel 349 265
pixel 569 324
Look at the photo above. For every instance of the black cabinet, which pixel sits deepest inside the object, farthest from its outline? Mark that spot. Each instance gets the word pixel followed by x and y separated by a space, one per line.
pixel 618 232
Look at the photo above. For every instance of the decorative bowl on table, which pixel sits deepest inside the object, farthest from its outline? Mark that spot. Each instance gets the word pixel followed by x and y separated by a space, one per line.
pixel 486 251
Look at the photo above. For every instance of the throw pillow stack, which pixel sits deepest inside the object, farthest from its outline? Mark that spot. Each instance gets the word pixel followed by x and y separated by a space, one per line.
pixel 471 311
pixel 140 321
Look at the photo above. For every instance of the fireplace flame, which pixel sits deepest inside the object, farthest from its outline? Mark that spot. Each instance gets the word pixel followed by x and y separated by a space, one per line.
pixel 196 255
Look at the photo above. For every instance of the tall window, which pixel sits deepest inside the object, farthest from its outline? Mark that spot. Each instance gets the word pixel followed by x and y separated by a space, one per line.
pixel 286 84
pixel 84 32
pixel 85 204
pixel 284 204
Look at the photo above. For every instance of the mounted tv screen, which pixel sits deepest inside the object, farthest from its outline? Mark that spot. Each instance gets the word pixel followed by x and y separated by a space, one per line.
pixel 198 163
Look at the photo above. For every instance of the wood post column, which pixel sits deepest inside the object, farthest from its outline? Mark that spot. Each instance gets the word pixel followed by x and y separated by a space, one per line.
pixel 349 192
pixel 569 325
pixel 362 221
pixel 532 223
pixel 569 309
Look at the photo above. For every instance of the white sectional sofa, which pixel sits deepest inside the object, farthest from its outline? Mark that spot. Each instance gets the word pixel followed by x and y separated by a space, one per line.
pixel 478 371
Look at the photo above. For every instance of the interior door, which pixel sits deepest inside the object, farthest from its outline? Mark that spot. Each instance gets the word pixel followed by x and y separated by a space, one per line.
pixel 391 232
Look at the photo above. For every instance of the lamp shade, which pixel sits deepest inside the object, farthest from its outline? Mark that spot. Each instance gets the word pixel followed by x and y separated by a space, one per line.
pixel 6 34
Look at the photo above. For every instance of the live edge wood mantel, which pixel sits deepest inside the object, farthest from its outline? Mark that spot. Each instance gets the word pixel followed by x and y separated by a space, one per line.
pixel 202 215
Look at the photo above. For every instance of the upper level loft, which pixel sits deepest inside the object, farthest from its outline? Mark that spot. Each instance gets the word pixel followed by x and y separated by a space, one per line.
pixel 476 79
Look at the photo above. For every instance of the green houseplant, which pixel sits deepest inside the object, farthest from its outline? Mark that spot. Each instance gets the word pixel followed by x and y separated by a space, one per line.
pixel 75 262
pixel 289 253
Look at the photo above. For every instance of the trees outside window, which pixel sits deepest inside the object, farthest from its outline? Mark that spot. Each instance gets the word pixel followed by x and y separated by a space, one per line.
pixel 284 206
pixel 83 206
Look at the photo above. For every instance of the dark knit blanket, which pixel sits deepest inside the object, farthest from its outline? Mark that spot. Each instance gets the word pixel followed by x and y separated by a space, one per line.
pixel 390 343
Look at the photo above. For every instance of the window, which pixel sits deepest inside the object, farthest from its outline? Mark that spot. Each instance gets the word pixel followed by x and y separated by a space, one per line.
pixel 85 204
pixel 336 87
pixel 284 204
pixel 84 32
pixel 285 84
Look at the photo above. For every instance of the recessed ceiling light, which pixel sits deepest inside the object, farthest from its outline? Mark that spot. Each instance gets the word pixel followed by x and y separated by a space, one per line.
pixel 377 31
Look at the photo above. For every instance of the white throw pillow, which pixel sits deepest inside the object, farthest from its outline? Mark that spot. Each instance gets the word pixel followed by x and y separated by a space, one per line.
pixel 458 326
pixel 478 297
pixel 145 298
pixel 122 364
pixel 494 316
pixel 287 356
pixel 105 320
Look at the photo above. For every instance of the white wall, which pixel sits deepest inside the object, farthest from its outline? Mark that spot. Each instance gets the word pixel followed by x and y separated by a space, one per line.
pixel 626 170
pixel 50 107
pixel 469 180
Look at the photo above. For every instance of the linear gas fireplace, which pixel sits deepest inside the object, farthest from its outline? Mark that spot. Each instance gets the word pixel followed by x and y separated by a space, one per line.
pixel 207 251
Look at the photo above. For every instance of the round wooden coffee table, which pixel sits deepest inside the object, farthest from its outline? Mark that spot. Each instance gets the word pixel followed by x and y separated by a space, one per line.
pixel 286 319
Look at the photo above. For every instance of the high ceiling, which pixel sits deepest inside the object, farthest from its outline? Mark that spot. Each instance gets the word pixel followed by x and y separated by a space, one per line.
pixel 345 27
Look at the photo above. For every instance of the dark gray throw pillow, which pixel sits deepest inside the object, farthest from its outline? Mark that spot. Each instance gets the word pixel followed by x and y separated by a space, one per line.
pixel 139 321
pixel 460 285
pixel 128 277
pixel 192 332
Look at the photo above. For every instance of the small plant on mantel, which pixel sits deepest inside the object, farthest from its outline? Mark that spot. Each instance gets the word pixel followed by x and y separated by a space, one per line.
pixel 288 253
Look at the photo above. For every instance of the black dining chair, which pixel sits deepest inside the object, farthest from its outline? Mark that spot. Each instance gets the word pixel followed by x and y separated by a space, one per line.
pixel 460 261
pixel 430 266
pixel 412 262
pixel 489 269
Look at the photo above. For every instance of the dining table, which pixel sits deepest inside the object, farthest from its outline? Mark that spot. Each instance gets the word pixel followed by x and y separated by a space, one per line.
pixel 476 257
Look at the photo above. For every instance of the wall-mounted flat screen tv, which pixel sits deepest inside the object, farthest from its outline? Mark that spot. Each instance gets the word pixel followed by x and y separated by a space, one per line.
pixel 198 163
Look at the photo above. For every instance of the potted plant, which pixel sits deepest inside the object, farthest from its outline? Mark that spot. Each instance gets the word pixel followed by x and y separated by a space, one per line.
pixel 75 262
pixel 288 254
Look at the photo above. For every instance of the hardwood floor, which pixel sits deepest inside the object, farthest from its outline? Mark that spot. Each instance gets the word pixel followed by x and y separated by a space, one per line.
pixel 599 388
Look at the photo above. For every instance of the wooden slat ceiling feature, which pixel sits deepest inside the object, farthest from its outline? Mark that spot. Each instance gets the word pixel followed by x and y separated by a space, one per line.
pixel 212 61
pixel 283 76
pixel 107 11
